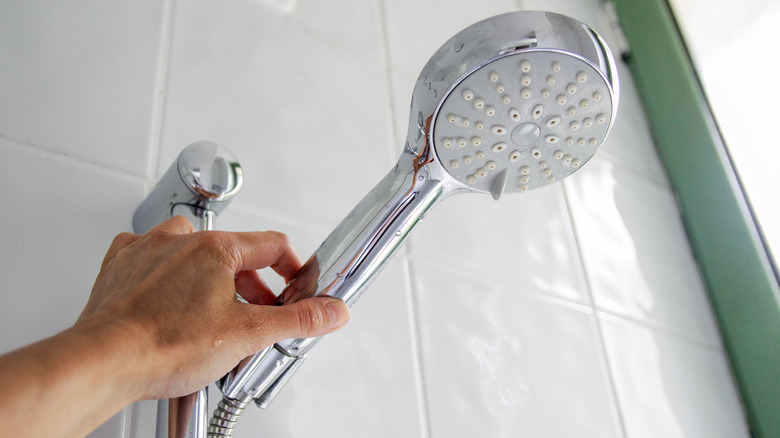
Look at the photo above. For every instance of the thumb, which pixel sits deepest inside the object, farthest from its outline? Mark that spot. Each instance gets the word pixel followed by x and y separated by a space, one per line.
pixel 307 318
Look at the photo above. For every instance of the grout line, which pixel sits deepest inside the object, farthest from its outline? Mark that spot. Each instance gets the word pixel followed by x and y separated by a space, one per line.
pixel 712 343
pixel 337 43
pixel 559 300
pixel 288 221
pixel 160 90
pixel 630 168
pixel 393 121
pixel 155 138
pixel 478 276
pixel 415 339
pixel 71 160
pixel 603 356
pixel 416 349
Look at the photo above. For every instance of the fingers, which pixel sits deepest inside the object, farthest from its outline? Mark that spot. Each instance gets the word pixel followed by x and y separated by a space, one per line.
pixel 304 319
pixel 263 249
pixel 251 286
pixel 176 225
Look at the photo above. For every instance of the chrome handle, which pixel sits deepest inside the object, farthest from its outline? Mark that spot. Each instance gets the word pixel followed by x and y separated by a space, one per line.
pixel 344 265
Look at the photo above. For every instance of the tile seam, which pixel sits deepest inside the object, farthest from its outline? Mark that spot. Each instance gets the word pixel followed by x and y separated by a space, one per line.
pixel 586 285
pixel 423 411
pixel 161 90
pixel 70 160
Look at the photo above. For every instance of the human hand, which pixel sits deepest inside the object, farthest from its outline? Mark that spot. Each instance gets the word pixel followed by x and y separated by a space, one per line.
pixel 170 297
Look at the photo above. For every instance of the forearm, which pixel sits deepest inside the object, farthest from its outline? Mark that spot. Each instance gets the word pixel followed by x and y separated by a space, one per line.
pixel 67 385
pixel 162 321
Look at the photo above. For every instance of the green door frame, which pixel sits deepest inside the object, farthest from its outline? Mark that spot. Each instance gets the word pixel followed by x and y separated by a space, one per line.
pixel 728 245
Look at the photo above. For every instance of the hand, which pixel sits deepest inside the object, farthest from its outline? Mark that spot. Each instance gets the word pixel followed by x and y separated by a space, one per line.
pixel 162 321
pixel 171 294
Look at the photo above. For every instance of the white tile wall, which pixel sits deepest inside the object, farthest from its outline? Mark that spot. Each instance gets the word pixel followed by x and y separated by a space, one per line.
pixel 635 251
pixel 498 362
pixel 290 103
pixel 78 77
pixel 575 310
pixel 670 386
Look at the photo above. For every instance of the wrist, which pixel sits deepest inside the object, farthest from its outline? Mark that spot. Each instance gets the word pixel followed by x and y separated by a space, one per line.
pixel 79 377
pixel 118 355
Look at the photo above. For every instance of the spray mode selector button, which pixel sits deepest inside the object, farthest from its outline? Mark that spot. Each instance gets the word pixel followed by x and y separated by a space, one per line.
pixel 526 134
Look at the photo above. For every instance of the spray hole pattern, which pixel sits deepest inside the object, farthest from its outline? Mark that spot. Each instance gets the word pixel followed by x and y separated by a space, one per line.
pixel 539 115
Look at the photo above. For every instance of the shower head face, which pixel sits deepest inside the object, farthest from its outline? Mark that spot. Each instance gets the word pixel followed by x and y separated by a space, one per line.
pixel 514 102
pixel 522 121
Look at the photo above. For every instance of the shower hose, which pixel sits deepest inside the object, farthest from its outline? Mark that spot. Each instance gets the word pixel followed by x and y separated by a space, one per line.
pixel 225 416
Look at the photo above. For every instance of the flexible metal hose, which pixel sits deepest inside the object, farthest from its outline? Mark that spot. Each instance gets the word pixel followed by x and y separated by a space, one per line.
pixel 225 416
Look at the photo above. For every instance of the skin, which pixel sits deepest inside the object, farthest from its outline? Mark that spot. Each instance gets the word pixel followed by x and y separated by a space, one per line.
pixel 162 321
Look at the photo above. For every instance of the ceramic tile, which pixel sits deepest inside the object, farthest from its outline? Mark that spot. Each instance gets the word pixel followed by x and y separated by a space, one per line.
pixel 307 120
pixel 402 86
pixel 525 240
pixel 499 363
pixel 630 140
pixel 415 30
pixel 587 11
pixel 354 24
pixel 356 382
pixel 82 80
pixel 635 249
pixel 671 387
pixel 64 218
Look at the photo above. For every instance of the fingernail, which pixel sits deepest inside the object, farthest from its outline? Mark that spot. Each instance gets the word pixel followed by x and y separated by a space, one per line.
pixel 338 312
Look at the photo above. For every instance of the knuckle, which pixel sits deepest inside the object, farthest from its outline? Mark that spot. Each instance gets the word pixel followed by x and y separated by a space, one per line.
pixel 122 237
pixel 216 246
pixel 281 240
pixel 310 317
pixel 158 236
pixel 181 221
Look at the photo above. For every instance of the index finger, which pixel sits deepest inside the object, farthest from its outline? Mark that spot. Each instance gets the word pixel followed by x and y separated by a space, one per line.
pixel 176 224
pixel 257 250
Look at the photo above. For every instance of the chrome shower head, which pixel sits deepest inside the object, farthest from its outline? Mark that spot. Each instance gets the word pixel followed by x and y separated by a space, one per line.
pixel 511 103
pixel 515 102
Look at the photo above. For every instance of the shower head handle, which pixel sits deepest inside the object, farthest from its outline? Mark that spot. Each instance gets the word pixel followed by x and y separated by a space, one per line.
pixel 511 147
pixel 343 267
